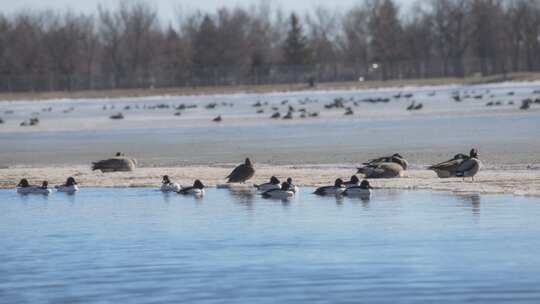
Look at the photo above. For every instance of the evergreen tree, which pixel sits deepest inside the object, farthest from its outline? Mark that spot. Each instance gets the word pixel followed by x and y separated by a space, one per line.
pixel 296 49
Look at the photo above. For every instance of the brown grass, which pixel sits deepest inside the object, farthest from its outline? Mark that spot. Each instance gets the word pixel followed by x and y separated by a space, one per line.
pixel 209 90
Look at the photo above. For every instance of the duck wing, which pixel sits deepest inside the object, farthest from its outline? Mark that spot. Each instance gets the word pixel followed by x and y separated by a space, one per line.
pixel 240 174
pixel 449 165
pixel 468 168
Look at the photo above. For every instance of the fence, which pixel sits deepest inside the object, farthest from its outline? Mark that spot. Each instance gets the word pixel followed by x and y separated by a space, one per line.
pixel 192 76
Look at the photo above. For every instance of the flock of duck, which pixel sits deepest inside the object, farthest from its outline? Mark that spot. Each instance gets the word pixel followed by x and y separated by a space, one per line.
pixel 461 165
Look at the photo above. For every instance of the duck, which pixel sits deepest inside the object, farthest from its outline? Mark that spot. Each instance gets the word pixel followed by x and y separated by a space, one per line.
pixel 353 182
pixel 70 186
pixel 336 189
pixel 364 189
pixel 119 163
pixel 274 183
pixel 241 173
pixel 382 170
pixel 23 187
pixel 394 158
pixel 284 192
pixel 469 167
pixel 168 186
pixel 197 189
pixel 292 186
pixel 449 168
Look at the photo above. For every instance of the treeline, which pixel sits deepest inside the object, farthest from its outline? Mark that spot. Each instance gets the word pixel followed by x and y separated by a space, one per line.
pixel 129 46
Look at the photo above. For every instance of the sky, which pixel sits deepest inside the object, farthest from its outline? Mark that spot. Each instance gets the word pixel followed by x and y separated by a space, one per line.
pixel 168 8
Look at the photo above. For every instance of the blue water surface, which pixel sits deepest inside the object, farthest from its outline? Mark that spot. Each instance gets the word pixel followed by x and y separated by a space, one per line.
pixel 141 246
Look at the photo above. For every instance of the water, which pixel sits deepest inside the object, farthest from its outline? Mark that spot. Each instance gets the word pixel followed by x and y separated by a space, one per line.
pixel 140 246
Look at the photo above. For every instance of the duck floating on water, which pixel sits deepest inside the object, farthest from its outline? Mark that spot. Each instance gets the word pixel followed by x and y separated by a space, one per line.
pixel 70 186
pixel 284 192
pixel 168 186
pixel 336 189
pixel 354 181
pixel 274 183
pixel 197 189
pixel 292 186
pixel 364 189
pixel 25 188
pixel 241 173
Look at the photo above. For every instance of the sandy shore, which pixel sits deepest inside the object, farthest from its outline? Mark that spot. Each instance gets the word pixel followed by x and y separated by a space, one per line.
pixel 517 182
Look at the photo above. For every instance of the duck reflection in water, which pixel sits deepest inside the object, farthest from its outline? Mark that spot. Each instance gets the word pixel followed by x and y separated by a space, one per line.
pixel 473 200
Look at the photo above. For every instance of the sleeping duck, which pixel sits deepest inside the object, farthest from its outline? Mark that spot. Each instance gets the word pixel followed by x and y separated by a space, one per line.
pixel 25 188
pixel 119 163
pixel 382 170
pixel 70 186
pixel 395 158
pixel 274 183
pixel 197 189
pixel 281 193
pixel 168 186
pixel 292 186
pixel 364 189
pixel 354 181
pixel 336 189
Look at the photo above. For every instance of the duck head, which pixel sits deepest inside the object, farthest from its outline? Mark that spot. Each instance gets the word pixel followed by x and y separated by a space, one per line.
pixel 198 185
pixel 70 181
pixel 289 181
pixel 338 182
pixel 274 180
pixel 365 184
pixel 473 153
pixel 45 185
pixel 397 155
pixel 166 179
pixel 248 162
pixel 354 179
pixel 23 183
pixel 119 154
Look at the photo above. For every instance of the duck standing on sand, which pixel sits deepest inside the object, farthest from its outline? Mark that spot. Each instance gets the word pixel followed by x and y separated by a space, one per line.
pixel 119 163
pixel 336 189
pixel 197 189
pixel 274 183
pixel 469 167
pixel 364 189
pixel 168 186
pixel 449 168
pixel 241 173
pixel 284 192
pixel 70 186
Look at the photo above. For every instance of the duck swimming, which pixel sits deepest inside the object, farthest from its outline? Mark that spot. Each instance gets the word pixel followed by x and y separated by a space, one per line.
pixel 336 189
pixel 469 167
pixel 354 181
pixel 197 189
pixel 168 186
pixel 25 188
pixel 284 192
pixel 364 189
pixel 242 172
pixel 292 186
pixel 273 184
pixel 70 186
